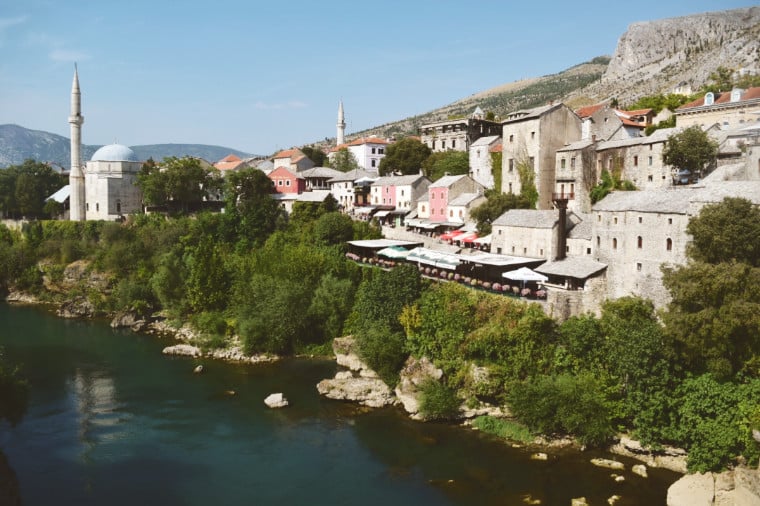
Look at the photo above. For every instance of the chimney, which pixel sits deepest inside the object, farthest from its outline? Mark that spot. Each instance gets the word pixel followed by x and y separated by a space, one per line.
pixel 561 230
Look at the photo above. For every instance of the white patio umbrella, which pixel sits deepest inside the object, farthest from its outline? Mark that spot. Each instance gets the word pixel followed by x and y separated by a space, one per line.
pixel 524 274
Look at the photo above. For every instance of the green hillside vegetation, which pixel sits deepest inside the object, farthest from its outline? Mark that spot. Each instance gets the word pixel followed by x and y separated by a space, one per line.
pixel 689 376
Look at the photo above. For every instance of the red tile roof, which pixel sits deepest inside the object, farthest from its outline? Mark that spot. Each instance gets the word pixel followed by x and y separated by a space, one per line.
pixel 724 98
pixel 495 148
pixel 287 153
pixel 585 112
pixel 367 140
pixel 229 162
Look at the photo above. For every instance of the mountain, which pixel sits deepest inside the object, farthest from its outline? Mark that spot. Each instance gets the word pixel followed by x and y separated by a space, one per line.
pixel 651 57
pixel 18 143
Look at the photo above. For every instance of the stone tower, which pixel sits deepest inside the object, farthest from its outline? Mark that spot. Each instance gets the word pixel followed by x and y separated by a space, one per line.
pixel 341 138
pixel 76 175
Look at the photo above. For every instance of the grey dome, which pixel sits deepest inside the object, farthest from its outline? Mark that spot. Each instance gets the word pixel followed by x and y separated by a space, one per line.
pixel 114 153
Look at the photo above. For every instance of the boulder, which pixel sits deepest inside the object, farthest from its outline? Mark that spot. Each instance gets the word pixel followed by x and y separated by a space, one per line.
pixel 128 319
pixel 539 456
pixel 276 401
pixel 579 501
pixel 667 457
pixel 738 487
pixel 609 464
pixel 639 469
pixel 78 307
pixel 692 490
pixel 198 369
pixel 371 392
pixel 414 373
pixel 185 350
pixel 346 355
pixel 613 499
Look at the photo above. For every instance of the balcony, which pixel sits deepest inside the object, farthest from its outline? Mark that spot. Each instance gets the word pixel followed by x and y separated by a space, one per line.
pixel 562 196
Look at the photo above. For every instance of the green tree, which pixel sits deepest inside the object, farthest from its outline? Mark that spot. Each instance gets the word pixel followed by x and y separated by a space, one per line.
pixel 527 175
pixel 728 231
pixel 404 156
pixel 24 188
pixel 315 154
pixel 180 183
pixel 722 80
pixel 496 204
pixel 442 163
pixel 344 161
pixel 250 208
pixel 333 228
pixel 690 149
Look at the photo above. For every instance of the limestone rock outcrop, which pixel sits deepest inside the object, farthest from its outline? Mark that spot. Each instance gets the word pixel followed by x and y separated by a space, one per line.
pixel 738 487
pixel 184 350
pixel 414 373
pixel 276 401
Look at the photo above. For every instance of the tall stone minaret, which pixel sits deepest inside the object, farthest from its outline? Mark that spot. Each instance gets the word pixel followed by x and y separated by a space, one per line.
pixel 76 175
pixel 341 139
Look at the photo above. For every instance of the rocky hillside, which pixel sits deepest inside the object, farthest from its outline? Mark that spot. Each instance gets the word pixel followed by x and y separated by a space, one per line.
pixel 651 57
pixel 18 143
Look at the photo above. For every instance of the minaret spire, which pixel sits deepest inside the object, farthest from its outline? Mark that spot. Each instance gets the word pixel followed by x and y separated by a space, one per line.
pixel 76 175
pixel 341 137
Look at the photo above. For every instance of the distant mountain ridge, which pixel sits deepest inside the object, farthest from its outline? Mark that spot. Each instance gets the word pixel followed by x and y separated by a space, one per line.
pixel 18 144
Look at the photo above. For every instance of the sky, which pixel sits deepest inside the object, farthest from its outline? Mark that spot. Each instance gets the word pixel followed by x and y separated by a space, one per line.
pixel 263 76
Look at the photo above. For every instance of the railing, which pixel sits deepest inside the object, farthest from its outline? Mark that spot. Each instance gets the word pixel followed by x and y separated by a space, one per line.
pixel 563 196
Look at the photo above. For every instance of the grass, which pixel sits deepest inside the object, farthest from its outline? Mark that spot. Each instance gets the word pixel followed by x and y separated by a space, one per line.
pixel 506 429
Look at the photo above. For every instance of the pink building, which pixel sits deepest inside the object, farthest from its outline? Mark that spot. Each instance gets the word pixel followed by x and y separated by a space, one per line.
pixel 285 181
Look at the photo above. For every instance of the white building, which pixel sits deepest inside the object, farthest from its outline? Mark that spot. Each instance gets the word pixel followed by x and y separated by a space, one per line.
pixel 481 159
pixel 110 182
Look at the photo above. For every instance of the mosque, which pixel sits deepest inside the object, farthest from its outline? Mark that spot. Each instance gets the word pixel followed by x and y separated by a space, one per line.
pixel 106 188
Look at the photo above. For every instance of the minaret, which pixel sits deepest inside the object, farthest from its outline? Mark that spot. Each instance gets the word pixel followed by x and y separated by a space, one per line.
pixel 341 126
pixel 76 175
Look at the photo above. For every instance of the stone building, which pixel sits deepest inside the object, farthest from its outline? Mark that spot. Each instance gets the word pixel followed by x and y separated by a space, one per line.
pixel 528 232
pixel 575 167
pixel 482 159
pixel 351 188
pixel 530 139
pixel 293 159
pixel 734 109
pixel 458 134
pixel 399 192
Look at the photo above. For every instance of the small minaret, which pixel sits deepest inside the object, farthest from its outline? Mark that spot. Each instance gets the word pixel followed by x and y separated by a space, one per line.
pixel 76 175
pixel 341 138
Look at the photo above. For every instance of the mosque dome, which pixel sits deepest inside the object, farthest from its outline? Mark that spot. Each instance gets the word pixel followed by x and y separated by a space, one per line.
pixel 114 153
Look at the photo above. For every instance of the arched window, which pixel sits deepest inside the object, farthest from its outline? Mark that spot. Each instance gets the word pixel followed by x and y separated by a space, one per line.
pixel 639 242
pixel 669 244
pixel 614 243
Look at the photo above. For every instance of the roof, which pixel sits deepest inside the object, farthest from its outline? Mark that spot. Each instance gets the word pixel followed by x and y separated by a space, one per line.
pixel 674 201
pixel 114 153
pixel 352 175
pixel 572 267
pixel 581 230
pixel 287 153
pixel 577 145
pixel 320 172
pixel 528 218
pixel 485 141
pixel 398 180
pixel 464 198
pixel 313 196
pixel 367 140
pixel 61 195
pixel 714 192
pixel 589 110
pixel 382 243
pixel 526 114
pixel 446 181
pixel 229 162
pixel 723 98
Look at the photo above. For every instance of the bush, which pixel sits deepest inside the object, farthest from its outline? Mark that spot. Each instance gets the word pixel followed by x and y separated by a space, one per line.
pixel 383 351
pixel 503 428
pixel 565 404
pixel 437 401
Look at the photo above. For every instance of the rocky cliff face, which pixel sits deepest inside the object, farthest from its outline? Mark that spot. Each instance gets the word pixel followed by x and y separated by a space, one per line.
pixel 656 56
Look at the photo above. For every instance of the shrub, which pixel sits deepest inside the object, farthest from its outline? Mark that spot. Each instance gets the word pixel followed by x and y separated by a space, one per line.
pixel 383 351
pixel 503 428
pixel 437 401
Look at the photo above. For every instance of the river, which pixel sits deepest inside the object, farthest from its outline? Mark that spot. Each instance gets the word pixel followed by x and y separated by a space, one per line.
pixel 113 421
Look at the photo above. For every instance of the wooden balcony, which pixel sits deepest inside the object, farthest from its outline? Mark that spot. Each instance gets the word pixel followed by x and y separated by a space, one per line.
pixel 563 196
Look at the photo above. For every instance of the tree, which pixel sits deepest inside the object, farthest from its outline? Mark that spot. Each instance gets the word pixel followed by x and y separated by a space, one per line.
pixel 404 156
pixel 180 183
pixel 344 161
pixel 714 313
pixel 315 154
pixel 250 206
pixel 496 204
pixel 690 149
pixel 444 163
pixel 725 232
pixel 333 228
pixel 24 188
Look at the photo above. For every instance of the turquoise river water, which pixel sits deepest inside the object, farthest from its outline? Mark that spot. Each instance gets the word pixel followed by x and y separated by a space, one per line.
pixel 112 421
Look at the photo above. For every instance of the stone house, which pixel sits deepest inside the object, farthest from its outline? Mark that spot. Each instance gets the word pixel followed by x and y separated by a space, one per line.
pixel 293 159
pixel 351 188
pixel 528 232
pixel 602 122
pixel 638 160
pixel 575 168
pixel 285 181
pixel 317 178
pixel 530 139
pixel 734 109
pixel 459 207
pixel 481 159
pixel 445 190
pixel 458 134
pixel 400 192
pixel 368 152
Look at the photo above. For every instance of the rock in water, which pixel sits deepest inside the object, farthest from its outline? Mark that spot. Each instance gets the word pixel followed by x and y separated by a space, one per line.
pixel 609 464
pixel 276 401
pixel 198 369
pixel 640 469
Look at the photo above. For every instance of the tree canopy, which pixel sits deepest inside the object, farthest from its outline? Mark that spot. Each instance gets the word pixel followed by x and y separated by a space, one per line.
pixel 405 156
pixel 441 163
pixel 24 188
pixel 344 161
pixel 690 149
pixel 496 204
pixel 178 183
pixel 316 155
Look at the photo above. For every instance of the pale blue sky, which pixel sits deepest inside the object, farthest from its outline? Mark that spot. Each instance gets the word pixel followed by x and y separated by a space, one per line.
pixel 259 77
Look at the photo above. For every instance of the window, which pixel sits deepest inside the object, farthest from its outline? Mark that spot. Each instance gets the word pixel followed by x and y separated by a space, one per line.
pixel 533 135
pixel 525 251
pixel 423 208
pixel 374 162
pixel 670 221
pixel 373 151
pixel 650 161
pixel 279 182
pixel 572 162
pixel 453 143
pixel 609 163
pixel 511 138
pixel 97 206
pixel 650 178
pixel 638 266
pixel 541 252
pixel 639 242
pixel 669 244
pixel 562 163
pixel 461 213
pixel 599 217
pixel 532 162
pixel 380 151
pixel 598 241
pixel 572 188
pixel 614 243
pixel 636 161
pixel 87 206
pixel 510 187
pixel 499 232
pixel 402 192
pixel 641 219
pixel 118 207
pixel 432 145
pixel 588 251
pixel 451 213
pixel 513 249
pixel 387 189
pixel 443 144
pixel 477 154
pixel 287 182
pixel 615 220
pixel 511 164
pixel 498 251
